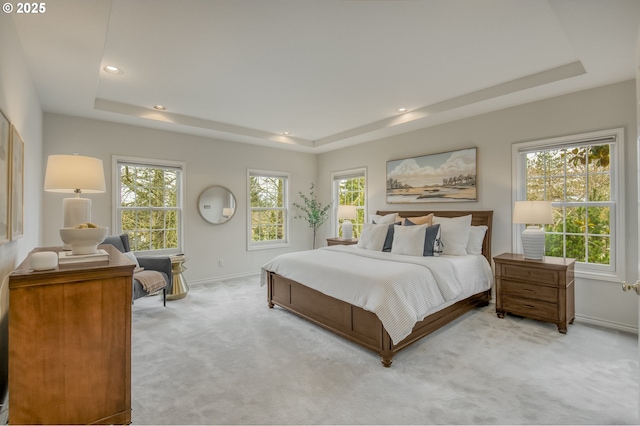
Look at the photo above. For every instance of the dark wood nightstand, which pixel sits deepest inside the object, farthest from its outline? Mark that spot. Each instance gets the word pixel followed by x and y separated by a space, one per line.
pixel 537 289
pixel 341 241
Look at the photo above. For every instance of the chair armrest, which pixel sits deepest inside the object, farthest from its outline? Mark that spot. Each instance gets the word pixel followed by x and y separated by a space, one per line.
pixel 160 264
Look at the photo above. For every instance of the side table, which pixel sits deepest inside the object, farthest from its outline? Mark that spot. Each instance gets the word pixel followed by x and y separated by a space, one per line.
pixel 180 287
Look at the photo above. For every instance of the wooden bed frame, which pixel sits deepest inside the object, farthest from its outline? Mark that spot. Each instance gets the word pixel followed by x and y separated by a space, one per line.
pixel 364 327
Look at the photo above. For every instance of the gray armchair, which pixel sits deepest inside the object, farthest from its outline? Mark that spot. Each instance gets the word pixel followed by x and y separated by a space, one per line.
pixel 152 263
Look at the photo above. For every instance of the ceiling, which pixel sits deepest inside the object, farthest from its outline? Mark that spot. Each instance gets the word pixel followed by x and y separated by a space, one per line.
pixel 333 73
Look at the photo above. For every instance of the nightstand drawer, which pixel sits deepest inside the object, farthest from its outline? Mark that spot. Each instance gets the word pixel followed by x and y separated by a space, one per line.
pixel 539 275
pixel 530 308
pixel 530 291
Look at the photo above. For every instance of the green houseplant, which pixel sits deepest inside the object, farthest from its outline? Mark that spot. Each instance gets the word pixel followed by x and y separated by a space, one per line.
pixel 312 211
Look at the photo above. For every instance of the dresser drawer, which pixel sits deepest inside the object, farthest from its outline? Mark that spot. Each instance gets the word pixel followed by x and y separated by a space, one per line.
pixel 530 291
pixel 530 308
pixel 542 276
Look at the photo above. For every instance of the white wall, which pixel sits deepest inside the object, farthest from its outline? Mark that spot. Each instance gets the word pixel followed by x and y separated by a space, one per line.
pixel 601 108
pixel 20 104
pixel 209 162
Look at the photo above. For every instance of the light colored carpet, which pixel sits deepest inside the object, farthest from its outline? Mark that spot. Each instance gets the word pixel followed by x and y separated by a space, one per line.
pixel 221 356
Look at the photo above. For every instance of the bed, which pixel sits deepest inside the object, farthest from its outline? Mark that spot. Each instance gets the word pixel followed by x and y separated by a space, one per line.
pixel 360 324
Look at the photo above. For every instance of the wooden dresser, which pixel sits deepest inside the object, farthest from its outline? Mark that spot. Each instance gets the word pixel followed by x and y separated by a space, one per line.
pixel 538 289
pixel 70 342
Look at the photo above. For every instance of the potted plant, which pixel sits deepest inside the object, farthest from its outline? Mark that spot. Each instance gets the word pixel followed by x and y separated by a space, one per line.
pixel 312 211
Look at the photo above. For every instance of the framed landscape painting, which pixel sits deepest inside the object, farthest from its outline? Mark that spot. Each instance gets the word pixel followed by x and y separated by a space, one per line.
pixel 5 138
pixel 445 177
pixel 17 185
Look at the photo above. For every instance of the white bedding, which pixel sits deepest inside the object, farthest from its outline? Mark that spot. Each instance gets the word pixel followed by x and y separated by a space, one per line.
pixel 401 290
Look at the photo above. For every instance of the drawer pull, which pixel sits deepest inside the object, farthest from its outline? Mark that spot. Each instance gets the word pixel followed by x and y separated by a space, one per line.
pixel 529 290
pixel 529 306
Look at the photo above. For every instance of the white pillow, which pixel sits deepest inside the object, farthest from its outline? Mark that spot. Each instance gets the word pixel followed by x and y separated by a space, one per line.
pixel 373 236
pixel 389 218
pixel 132 257
pixel 476 237
pixel 409 240
pixel 454 233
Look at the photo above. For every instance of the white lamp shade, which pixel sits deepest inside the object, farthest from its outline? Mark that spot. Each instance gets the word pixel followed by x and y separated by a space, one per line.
pixel 227 212
pixel 74 173
pixel 533 212
pixel 347 212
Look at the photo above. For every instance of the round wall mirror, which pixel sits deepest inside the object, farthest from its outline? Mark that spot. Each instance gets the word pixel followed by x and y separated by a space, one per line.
pixel 216 204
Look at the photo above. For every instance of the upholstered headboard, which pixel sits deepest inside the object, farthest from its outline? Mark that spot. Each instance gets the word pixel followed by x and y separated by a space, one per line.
pixel 478 217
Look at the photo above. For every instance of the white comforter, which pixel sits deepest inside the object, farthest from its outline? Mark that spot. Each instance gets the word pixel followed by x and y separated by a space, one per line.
pixel 401 290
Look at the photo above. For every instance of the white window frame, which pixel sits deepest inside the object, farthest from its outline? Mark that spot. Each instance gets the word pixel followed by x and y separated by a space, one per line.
pixel 262 245
pixel 335 198
pixel 116 224
pixel 615 271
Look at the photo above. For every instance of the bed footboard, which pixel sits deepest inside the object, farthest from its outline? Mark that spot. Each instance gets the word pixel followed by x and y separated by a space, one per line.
pixel 354 323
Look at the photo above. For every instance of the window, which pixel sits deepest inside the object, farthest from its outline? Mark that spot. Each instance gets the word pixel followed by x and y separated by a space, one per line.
pixel 268 200
pixel 349 189
pixel 582 176
pixel 148 200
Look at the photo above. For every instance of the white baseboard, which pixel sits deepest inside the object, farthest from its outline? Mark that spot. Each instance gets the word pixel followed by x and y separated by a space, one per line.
pixel 222 278
pixel 608 324
pixel 600 322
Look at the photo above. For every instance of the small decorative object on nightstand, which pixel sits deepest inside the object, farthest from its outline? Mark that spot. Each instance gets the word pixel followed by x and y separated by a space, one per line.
pixel 537 289
pixel 341 241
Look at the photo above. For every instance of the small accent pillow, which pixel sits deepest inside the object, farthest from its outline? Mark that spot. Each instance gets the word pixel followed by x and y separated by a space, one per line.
pixel 454 234
pixel 134 259
pixel 388 218
pixel 476 237
pixel 373 236
pixel 420 220
pixel 409 240
pixel 432 243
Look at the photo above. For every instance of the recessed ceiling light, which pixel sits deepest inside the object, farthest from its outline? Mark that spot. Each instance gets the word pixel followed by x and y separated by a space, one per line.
pixel 286 133
pixel 160 107
pixel 113 70
pixel 401 110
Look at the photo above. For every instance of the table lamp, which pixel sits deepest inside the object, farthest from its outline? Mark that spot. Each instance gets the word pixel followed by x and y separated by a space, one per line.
pixel 75 174
pixel 532 214
pixel 346 213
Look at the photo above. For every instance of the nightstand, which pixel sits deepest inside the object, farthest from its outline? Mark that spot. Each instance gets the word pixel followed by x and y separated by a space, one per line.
pixel 537 289
pixel 341 241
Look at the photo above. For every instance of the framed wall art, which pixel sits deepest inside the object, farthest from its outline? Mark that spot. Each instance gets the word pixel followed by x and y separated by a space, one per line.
pixel 17 185
pixel 5 139
pixel 444 177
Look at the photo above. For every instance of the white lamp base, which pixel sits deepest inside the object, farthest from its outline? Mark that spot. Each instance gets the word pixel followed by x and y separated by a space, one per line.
pixel 75 211
pixel 347 229
pixel 533 243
